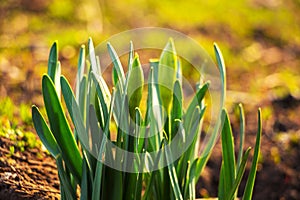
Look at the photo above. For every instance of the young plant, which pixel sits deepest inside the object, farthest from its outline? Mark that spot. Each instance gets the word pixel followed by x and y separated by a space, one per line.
pixel 232 171
pixel 82 154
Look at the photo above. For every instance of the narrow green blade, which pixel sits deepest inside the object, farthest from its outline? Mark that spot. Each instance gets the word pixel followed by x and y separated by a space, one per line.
pixel 228 152
pixel 179 72
pixel 172 174
pixel 112 186
pixel 222 69
pixel 139 187
pixel 196 101
pixel 56 78
pixel 190 183
pixel 68 192
pixel 97 184
pixel 61 129
pixel 133 181
pixel 44 132
pixel 74 110
pixel 98 64
pixel 103 94
pixel 118 73
pixel 154 63
pixel 85 185
pixel 52 61
pixel 177 101
pixel 54 68
pixel 135 85
pixel 252 174
pixel 149 97
pixel 98 177
pixel 240 173
pixel 242 135
pixel 141 131
pixel 153 176
pixel 82 97
pixel 153 112
pixel 80 72
pixel 192 134
pixel 96 133
pixel 93 60
pixel 221 190
pixel 213 138
pixel 130 56
pixel 176 112
pixel 167 74
pixel 130 186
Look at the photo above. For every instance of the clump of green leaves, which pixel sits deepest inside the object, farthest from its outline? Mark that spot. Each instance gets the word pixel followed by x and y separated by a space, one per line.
pixel 91 110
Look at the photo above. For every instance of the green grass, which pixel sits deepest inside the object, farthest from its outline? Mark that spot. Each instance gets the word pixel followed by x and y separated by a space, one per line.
pixel 15 127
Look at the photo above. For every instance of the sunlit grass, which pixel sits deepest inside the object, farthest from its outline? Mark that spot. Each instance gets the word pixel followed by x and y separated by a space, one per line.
pixel 13 126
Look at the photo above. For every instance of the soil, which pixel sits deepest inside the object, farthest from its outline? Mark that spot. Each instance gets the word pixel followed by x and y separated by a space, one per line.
pixel 27 175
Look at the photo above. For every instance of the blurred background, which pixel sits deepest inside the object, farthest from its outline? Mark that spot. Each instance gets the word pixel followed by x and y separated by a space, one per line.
pixel 260 41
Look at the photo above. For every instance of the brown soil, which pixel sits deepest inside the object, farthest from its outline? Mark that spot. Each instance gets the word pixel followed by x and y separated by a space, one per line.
pixel 27 175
